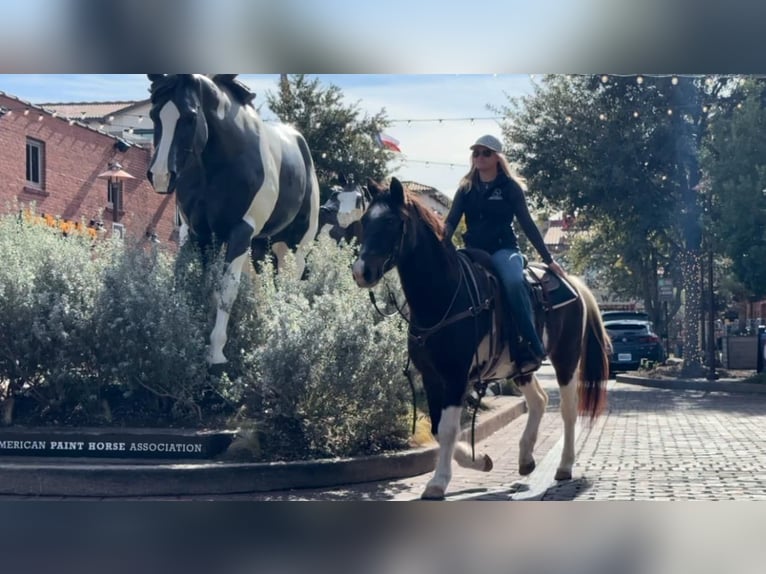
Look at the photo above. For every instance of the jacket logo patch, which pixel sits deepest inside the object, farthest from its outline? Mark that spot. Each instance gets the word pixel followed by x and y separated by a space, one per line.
pixel 496 194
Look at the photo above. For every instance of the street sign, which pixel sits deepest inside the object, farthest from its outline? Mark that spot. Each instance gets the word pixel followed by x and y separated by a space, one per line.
pixel 665 289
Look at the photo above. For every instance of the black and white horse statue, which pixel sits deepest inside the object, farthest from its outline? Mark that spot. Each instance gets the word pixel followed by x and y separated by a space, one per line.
pixel 340 216
pixel 238 180
pixel 457 335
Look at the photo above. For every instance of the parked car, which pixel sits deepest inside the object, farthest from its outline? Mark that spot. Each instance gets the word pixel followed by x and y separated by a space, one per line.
pixel 633 340
pixel 622 315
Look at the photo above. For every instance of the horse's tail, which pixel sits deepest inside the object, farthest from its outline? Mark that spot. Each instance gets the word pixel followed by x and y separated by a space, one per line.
pixel 594 365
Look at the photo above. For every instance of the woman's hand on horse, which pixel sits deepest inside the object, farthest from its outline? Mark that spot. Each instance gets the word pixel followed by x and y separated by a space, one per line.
pixel 556 268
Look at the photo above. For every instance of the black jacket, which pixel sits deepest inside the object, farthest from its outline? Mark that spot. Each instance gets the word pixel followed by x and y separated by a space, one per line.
pixel 489 214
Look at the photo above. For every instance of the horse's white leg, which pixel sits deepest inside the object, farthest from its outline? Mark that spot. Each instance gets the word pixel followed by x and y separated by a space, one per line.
pixel 224 297
pixel 569 414
pixel 463 457
pixel 537 400
pixel 449 425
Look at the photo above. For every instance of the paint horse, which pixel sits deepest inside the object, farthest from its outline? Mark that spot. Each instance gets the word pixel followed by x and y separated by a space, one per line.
pixel 456 334
pixel 238 181
pixel 340 216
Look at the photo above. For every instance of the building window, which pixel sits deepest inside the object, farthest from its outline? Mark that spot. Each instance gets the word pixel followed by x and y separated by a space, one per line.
pixel 35 163
pixel 114 195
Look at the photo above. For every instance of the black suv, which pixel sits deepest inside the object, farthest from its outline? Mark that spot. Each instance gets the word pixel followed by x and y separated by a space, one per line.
pixel 632 341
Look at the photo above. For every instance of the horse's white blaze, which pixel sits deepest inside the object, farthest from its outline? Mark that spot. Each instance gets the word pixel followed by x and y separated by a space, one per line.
pixel 169 115
pixel 348 212
pixel 449 425
pixel 376 211
pixel 568 395
pixel 536 400
pixel 357 269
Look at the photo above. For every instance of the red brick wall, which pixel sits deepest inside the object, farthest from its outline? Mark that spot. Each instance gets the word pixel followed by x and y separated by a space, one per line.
pixel 73 158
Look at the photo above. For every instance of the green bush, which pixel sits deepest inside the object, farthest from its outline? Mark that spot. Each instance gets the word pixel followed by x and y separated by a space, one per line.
pixel 114 333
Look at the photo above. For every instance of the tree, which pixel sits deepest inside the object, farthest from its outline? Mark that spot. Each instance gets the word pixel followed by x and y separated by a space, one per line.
pixel 734 160
pixel 622 155
pixel 342 139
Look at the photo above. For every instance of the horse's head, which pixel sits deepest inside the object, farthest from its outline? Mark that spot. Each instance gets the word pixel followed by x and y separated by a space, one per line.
pixel 384 227
pixel 348 205
pixel 180 128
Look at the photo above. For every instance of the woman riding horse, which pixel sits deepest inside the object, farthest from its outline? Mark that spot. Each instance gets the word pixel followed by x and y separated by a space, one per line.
pixel 490 197
pixel 456 335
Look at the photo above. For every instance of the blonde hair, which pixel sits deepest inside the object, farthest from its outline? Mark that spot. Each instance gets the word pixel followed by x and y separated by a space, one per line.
pixel 502 164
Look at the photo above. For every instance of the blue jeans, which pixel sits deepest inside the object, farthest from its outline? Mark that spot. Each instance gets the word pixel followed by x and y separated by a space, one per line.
pixel 509 265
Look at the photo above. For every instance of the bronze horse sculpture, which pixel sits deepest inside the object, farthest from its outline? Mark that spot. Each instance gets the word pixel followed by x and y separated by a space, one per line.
pixel 456 333
pixel 238 181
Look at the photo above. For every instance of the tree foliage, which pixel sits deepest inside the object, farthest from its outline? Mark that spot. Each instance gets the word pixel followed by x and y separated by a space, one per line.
pixel 622 156
pixel 734 159
pixel 342 139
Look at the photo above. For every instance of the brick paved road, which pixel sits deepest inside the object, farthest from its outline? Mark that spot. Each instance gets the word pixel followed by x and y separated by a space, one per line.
pixel 653 444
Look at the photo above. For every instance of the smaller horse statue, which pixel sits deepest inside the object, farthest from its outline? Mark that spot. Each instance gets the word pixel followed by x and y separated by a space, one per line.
pixel 340 216
pixel 457 336
pixel 238 181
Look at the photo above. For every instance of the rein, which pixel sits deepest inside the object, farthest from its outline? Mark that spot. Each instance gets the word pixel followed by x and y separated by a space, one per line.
pixel 474 310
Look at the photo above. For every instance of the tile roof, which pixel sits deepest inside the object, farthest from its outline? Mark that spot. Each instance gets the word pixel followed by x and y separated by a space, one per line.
pixel 555 235
pixel 89 110
pixel 421 189
pixel 43 109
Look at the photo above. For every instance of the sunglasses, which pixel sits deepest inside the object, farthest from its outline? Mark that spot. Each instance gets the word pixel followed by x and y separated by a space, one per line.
pixel 484 152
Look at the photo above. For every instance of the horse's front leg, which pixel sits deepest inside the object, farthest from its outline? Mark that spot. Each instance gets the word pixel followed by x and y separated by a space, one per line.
pixel 448 428
pixel 236 254
pixel 536 399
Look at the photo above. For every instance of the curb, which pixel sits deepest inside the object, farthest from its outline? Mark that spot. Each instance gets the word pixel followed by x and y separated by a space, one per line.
pixel 723 385
pixel 41 477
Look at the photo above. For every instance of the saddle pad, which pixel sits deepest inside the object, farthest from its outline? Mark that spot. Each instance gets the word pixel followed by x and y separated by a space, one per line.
pixel 557 290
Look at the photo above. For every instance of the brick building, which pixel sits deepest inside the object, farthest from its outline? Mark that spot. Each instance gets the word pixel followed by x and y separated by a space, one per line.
pixel 74 172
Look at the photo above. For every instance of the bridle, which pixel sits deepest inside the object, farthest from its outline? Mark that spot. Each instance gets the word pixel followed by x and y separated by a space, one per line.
pixel 475 309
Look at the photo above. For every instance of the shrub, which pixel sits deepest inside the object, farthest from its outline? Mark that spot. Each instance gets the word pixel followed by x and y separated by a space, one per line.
pixel 114 333
pixel 321 375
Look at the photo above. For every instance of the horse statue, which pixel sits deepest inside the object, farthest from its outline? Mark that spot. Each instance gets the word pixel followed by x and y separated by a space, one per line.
pixel 238 181
pixel 340 216
pixel 456 331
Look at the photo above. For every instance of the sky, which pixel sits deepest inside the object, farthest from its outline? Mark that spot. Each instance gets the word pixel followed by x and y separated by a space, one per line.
pixel 436 117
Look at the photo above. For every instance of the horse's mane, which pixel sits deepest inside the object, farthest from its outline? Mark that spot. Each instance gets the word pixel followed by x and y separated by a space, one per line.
pixel 240 91
pixel 161 87
pixel 431 219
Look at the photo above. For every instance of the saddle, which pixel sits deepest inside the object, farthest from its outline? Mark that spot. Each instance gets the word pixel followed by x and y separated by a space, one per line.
pixel 547 290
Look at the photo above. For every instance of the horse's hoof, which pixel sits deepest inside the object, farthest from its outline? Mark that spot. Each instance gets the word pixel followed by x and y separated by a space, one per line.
pixel 488 464
pixel 432 493
pixel 563 475
pixel 526 468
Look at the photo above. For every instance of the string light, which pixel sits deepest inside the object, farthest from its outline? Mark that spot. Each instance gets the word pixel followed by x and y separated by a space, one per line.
pixel 639 80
